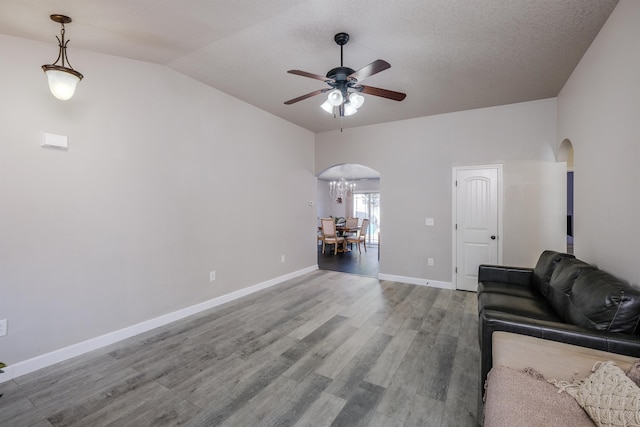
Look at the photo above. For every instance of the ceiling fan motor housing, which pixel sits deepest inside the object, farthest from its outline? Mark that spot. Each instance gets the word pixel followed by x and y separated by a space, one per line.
pixel 340 79
pixel 340 74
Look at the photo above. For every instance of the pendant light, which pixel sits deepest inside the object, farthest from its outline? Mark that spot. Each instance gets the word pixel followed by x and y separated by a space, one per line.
pixel 62 78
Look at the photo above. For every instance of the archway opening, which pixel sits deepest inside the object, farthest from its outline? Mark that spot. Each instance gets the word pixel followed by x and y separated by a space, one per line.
pixel 363 202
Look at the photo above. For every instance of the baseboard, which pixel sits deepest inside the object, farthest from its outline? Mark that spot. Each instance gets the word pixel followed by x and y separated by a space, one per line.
pixel 22 368
pixel 416 281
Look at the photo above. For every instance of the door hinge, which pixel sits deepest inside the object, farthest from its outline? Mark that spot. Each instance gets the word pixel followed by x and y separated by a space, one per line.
pixel 456 226
pixel 456 270
pixel 456 182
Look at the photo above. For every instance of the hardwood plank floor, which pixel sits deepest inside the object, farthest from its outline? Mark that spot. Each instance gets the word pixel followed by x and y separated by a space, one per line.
pixel 353 262
pixel 325 349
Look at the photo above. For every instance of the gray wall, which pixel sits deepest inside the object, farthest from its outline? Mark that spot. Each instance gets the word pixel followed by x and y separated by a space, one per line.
pixel 162 183
pixel 599 112
pixel 415 159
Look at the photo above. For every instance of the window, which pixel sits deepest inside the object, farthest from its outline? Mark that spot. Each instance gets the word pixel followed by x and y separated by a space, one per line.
pixel 367 205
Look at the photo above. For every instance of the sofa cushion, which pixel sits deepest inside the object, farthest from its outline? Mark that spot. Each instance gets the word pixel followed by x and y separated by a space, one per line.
pixel 600 301
pixel 544 269
pixel 508 289
pixel 562 281
pixel 520 306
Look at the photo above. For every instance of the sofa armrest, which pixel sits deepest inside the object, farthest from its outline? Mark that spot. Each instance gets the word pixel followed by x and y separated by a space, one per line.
pixel 513 275
pixel 492 321
pixel 553 359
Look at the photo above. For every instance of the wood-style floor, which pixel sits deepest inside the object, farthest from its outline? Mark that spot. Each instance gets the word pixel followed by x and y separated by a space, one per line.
pixel 325 349
pixel 364 263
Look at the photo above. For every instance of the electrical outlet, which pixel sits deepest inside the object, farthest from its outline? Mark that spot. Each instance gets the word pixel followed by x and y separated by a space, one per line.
pixel 3 327
pixel 430 261
pixel 212 276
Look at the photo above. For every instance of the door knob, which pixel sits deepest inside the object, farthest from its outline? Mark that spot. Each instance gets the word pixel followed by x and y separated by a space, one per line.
pixel 493 237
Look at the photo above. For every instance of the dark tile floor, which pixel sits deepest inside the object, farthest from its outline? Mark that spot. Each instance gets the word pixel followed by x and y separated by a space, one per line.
pixel 363 264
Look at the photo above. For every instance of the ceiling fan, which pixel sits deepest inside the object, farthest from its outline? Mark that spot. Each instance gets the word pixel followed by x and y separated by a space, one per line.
pixel 344 88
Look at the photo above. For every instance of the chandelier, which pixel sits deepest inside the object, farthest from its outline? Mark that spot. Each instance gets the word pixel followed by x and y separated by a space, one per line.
pixel 341 188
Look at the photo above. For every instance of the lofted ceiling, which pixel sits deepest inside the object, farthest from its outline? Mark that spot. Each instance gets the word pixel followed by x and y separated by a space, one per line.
pixel 447 55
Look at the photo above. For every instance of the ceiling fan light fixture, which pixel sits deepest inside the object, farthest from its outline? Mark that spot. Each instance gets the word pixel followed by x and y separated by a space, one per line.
pixel 349 109
pixel 62 78
pixel 344 98
pixel 356 100
pixel 327 107
pixel 335 98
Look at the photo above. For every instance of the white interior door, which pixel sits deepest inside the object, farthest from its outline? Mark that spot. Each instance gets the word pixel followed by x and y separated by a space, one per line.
pixel 477 222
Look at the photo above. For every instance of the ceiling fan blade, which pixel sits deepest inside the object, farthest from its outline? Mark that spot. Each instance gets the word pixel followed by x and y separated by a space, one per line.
pixel 385 93
pixel 310 75
pixel 369 70
pixel 308 95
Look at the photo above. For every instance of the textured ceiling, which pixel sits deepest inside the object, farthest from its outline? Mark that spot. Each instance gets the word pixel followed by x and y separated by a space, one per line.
pixel 447 55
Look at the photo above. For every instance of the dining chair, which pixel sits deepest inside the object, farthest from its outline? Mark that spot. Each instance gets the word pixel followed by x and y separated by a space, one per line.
pixel 351 226
pixel 351 222
pixel 329 235
pixel 361 236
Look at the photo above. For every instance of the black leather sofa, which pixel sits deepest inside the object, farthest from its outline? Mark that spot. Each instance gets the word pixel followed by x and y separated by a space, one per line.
pixel 562 299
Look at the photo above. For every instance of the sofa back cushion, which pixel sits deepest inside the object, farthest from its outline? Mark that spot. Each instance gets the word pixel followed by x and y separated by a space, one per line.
pixel 562 281
pixel 544 269
pixel 597 300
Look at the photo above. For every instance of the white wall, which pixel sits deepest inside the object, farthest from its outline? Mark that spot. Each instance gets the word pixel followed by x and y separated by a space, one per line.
pixel 163 182
pixel 415 159
pixel 599 112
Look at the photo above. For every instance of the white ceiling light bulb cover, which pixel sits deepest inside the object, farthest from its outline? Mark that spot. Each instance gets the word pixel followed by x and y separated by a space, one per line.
pixel 327 107
pixel 356 100
pixel 335 98
pixel 349 109
pixel 61 83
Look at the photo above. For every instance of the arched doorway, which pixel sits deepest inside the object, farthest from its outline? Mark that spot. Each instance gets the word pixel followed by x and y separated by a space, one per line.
pixel 362 202
pixel 565 154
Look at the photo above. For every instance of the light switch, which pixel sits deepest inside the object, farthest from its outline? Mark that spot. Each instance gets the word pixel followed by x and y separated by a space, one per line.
pixel 428 221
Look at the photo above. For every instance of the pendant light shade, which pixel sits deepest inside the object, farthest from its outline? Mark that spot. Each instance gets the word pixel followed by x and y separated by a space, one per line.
pixel 62 78
pixel 62 81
